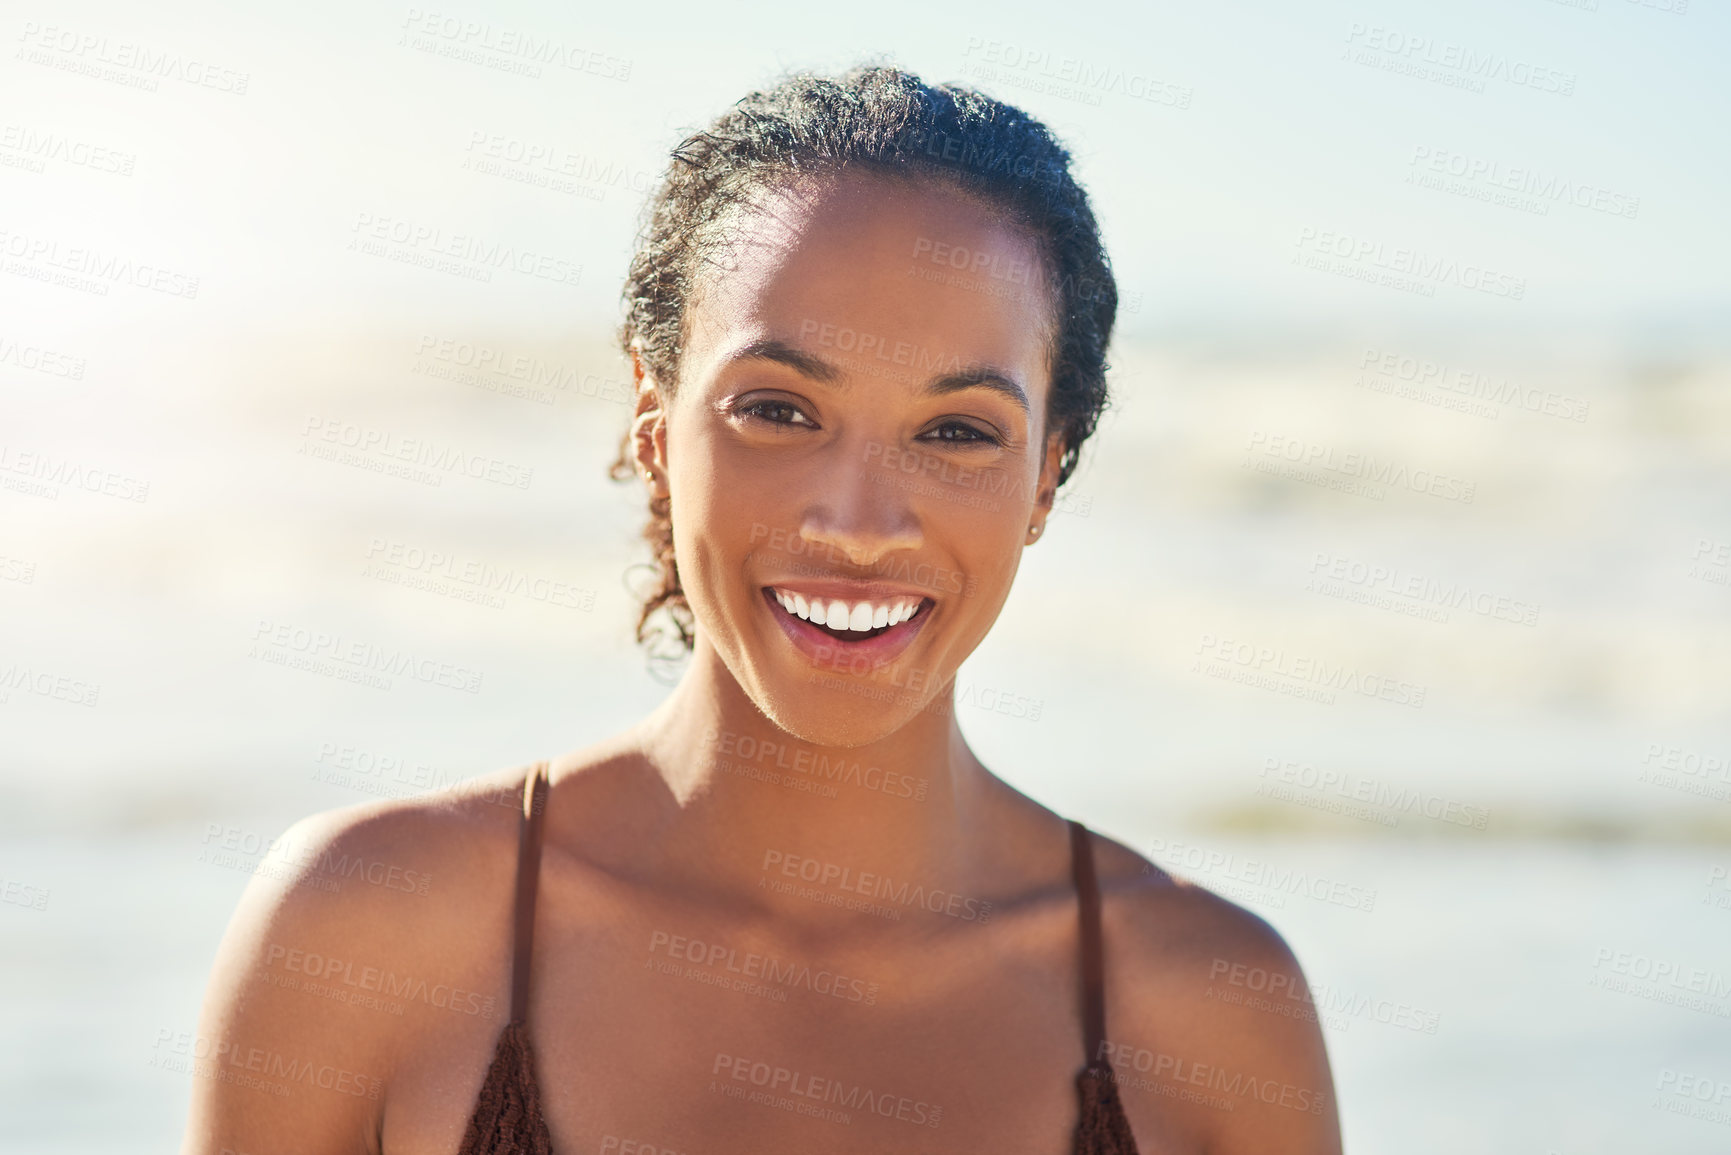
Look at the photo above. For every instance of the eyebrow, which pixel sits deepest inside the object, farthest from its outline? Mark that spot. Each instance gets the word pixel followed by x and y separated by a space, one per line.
pixel 816 368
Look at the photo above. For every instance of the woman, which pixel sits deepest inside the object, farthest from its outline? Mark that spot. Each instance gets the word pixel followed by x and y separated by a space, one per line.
pixel 789 910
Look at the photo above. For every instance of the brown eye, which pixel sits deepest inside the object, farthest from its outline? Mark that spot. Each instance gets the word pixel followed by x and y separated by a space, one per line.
pixel 963 433
pixel 775 412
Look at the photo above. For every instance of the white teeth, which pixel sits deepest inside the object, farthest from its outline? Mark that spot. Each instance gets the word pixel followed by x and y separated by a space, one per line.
pixel 857 617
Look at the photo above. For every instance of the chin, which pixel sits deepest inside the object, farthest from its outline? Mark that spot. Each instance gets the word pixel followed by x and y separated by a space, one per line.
pixel 844 664
pixel 822 714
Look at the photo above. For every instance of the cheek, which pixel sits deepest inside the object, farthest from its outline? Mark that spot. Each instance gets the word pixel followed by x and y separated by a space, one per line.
pixel 721 513
pixel 977 504
pixel 982 543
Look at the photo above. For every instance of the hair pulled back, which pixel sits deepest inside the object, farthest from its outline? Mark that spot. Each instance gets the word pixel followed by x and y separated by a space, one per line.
pixel 888 122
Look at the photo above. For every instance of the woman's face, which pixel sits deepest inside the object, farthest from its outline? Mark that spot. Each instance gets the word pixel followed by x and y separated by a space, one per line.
pixel 857 438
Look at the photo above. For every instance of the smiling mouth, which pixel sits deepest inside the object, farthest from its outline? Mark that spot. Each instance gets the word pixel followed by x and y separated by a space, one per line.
pixel 849 620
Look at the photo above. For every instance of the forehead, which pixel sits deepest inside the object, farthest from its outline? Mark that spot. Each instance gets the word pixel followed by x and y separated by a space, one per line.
pixel 916 266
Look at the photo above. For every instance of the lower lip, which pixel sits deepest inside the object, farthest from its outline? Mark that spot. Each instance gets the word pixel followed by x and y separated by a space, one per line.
pixel 827 650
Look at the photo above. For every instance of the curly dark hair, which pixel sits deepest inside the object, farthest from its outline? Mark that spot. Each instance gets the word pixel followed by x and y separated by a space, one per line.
pixel 889 122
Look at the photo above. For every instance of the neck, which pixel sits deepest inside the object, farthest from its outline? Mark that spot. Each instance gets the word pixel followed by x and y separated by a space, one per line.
pixel 749 805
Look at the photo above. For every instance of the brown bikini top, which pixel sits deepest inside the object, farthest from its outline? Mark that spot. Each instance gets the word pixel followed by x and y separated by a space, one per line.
pixel 507 1118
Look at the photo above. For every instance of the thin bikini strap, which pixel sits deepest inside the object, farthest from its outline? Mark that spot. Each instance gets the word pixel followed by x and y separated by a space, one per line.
pixel 528 875
pixel 1093 973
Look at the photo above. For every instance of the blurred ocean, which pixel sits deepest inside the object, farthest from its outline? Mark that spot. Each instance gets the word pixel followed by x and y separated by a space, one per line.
pixel 1512 846
pixel 1421 597
pixel 1461 1014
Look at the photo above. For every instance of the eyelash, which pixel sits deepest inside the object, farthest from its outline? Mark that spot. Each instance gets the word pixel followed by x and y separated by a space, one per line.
pixel 756 408
pixel 980 436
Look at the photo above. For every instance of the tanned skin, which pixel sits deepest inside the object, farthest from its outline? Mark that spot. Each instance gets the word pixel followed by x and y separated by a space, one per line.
pixel 785 450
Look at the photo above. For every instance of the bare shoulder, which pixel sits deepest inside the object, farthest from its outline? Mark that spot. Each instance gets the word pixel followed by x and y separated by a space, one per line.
pixel 366 932
pixel 1208 1008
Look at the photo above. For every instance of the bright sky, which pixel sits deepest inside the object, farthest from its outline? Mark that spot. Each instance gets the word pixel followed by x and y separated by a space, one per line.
pixel 1254 123
pixel 1556 168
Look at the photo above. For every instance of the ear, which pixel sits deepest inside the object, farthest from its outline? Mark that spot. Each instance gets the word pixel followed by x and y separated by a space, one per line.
pixel 1047 490
pixel 649 429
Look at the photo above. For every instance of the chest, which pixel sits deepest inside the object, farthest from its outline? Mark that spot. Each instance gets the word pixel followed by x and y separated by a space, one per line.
pixel 697 1037
pixel 661 1029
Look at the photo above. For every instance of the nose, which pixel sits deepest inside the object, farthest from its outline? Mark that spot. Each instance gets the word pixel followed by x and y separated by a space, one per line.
pixel 854 512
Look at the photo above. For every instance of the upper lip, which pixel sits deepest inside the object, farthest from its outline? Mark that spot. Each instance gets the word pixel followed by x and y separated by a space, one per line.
pixel 848 591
